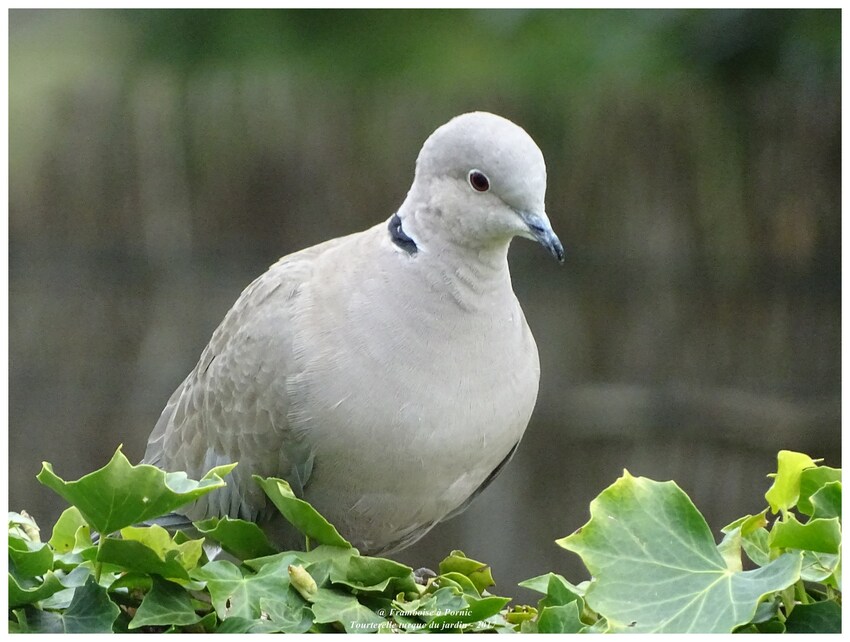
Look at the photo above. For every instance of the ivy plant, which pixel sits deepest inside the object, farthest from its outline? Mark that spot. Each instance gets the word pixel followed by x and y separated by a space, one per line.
pixel 654 563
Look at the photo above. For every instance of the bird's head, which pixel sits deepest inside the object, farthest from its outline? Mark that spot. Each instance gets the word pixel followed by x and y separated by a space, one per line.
pixel 482 181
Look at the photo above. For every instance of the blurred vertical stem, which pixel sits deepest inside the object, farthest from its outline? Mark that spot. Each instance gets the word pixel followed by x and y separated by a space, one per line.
pixel 800 589
pixel 98 565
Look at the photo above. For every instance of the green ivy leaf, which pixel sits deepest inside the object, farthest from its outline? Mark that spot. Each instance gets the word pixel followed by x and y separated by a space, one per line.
pixel 785 491
pixel 120 494
pixel 750 534
pixel 235 594
pixel 29 559
pixel 826 501
pixel 819 617
pixel 206 624
pixel 244 540
pixel 656 567
pixel 444 600
pixel 821 535
pixel 539 584
pixel 771 626
pixel 767 610
pixel 373 574
pixel 38 621
pixel 819 567
pixel 812 480
pixel 332 605
pixel 476 610
pixel 288 614
pixel 478 572
pixel 237 624
pixel 62 599
pixel 133 581
pixel 91 611
pixel 166 604
pixel 161 542
pixel 560 619
pixel 135 556
pixel 300 514
pixel 64 536
pixel 71 540
pixel 22 593
pixel 319 554
pixel 461 582
pixel 558 591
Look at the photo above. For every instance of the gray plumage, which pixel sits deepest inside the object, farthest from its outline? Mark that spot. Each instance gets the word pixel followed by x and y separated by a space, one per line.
pixel 386 374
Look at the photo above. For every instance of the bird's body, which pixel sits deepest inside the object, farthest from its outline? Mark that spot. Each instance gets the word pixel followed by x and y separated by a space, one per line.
pixel 386 374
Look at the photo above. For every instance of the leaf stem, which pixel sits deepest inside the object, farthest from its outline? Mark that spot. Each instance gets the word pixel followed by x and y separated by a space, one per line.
pixel 98 565
pixel 800 590
pixel 787 596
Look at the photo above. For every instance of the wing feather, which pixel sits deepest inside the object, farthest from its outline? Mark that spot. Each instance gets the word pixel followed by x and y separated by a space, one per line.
pixel 233 405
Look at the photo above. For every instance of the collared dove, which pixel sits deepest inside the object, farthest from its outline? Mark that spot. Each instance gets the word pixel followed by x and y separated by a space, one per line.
pixel 388 375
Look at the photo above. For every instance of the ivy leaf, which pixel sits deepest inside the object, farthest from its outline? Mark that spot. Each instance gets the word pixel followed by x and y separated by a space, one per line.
pixel 166 604
pixel 91 611
pixel 656 567
pixel 135 556
pixel 300 514
pixel 160 541
pixel 319 554
pixel 461 582
pixel 819 617
pixel 29 559
pixel 747 532
pixel 478 572
pixel 559 609
pixel 820 535
pixel 237 624
pixel 71 540
pixel 812 480
pixel 770 626
pixel 64 536
pixel 558 591
pixel 332 605
pixel 785 491
pixel 289 615
pixel 132 581
pixel 373 574
pixel 826 501
pixel 750 533
pixel 244 540
pixel 235 594
pixel 22 593
pixel 560 619
pixel 819 567
pixel 62 599
pixel 120 494
pixel 475 610
pixel 443 609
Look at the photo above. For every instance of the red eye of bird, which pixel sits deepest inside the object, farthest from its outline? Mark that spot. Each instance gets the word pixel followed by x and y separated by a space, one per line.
pixel 479 182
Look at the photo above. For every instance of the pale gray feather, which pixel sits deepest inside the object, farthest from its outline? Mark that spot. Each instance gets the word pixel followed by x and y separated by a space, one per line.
pixel 387 375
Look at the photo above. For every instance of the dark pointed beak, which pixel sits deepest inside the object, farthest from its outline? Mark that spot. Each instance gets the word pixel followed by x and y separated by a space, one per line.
pixel 540 230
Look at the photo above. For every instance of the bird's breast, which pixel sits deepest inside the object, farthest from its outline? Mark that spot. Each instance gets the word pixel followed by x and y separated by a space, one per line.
pixel 416 392
pixel 409 402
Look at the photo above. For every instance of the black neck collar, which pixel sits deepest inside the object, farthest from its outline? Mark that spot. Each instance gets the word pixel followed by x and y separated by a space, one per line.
pixel 400 238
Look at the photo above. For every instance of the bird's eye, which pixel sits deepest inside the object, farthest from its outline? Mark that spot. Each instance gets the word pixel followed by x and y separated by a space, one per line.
pixel 478 181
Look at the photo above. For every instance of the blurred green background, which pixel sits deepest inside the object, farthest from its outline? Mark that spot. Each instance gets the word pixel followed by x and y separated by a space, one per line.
pixel 160 160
